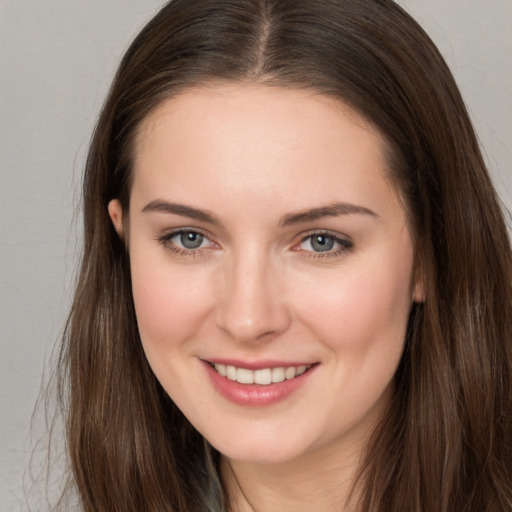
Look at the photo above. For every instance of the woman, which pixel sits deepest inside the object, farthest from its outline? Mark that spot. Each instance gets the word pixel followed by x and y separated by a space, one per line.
pixel 296 282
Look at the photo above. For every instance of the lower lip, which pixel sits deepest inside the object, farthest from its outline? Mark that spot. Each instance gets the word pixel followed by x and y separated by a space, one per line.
pixel 255 395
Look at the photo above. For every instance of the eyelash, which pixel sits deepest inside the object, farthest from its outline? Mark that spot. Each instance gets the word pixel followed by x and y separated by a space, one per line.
pixel 165 240
pixel 344 245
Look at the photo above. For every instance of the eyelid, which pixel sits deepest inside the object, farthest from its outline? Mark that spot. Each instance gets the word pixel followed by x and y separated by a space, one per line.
pixel 165 240
pixel 339 237
pixel 168 234
pixel 345 243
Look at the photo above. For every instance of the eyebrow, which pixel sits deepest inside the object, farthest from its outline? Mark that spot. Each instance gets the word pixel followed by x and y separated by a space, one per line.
pixel 159 205
pixel 330 210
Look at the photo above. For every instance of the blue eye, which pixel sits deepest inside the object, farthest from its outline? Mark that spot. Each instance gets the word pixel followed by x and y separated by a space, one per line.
pixel 324 243
pixel 185 241
pixel 189 239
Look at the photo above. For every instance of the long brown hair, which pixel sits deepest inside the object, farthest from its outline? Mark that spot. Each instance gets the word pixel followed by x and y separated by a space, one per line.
pixel 445 444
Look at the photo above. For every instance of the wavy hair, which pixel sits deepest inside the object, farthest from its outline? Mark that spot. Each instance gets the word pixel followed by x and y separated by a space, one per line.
pixel 445 444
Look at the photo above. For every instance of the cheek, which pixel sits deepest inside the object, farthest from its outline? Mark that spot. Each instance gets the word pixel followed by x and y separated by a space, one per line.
pixel 361 318
pixel 364 309
pixel 168 303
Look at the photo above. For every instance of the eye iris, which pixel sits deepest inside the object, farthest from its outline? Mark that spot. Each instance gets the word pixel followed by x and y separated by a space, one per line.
pixel 321 243
pixel 191 240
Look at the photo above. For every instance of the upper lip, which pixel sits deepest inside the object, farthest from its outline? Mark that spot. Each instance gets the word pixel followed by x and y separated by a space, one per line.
pixel 258 365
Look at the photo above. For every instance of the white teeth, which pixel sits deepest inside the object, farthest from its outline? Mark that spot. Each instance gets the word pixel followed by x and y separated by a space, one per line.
pixel 290 373
pixel 278 374
pixel 231 372
pixel 244 376
pixel 264 377
pixel 301 370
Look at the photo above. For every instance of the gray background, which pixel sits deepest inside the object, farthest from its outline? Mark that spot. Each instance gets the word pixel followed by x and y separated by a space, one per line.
pixel 57 58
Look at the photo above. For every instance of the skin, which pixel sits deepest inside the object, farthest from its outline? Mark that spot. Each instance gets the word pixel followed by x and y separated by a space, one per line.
pixel 257 289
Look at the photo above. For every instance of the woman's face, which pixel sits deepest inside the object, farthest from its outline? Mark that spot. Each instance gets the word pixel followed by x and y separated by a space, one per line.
pixel 271 265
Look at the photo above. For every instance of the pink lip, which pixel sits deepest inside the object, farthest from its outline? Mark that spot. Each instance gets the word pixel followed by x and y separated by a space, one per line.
pixel 258 365
pixel 255 395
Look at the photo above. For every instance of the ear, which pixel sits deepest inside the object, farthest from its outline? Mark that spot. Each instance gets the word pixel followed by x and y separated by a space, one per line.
pixel 418 291
pixel 115 211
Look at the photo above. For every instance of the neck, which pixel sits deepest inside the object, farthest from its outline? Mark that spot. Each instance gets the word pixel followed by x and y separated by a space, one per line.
pixel 325 477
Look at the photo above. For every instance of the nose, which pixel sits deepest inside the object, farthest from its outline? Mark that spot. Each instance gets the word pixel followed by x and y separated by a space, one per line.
pixel 252 305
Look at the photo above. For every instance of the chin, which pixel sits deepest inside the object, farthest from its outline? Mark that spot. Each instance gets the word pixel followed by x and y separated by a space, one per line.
pixel 261 449
pixel 258 455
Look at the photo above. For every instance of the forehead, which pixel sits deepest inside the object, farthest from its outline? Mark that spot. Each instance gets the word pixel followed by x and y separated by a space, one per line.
pixel 236 140
pixel 234 105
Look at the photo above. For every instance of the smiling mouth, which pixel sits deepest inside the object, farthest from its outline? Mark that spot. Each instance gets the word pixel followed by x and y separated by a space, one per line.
pixel 263 376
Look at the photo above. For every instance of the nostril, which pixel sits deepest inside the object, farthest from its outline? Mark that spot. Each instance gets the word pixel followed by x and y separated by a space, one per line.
pixel 249 307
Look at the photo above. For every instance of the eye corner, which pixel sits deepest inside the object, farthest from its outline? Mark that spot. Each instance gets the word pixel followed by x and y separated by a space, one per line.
pixel 327 244
pixel 187 242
